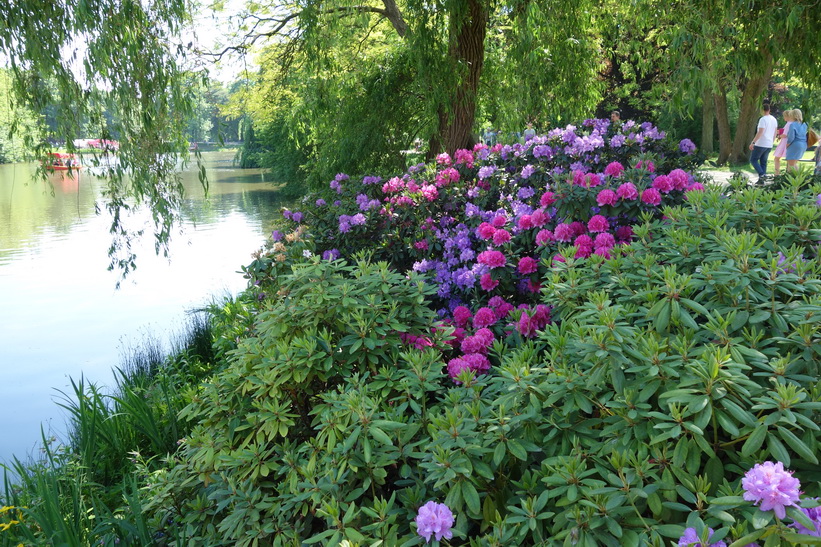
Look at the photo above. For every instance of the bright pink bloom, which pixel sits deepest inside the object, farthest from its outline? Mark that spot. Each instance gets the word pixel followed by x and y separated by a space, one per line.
pixel 592 179
pixel 486 335
pixel 430 192
pixel 492 259
pixel 484 318
pixel 558 258
pixel 447 176
pixel 614 169
pixel 584 241
pixel 627 191
pixel 607 197
pixel 598 224
pixel 651 196
pixel 605 240
pixel 422 245
pixel 544 237
pixel 663 184
pixel 461 316
pixel 474 344
pixel 525 222
pixel 527 265
pixel 477 362
pixel 443 159
pixel 602 251
pixel 547 199
pixel 464 156
pixel 648 165
pixel 534 287
pixel 578 178
pixel 499 221
pixel 680 179
pixel 500 237
pixel 538 218
pixel 584 252
pixel 695 187
pixel 455 367
pixel 485 230
pixel 563 232
pixel 487 282
pixel 772 486
pixel 496 301
pixel 503 309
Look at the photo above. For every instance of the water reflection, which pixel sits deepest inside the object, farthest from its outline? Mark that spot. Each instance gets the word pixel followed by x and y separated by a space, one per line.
pixel 61 315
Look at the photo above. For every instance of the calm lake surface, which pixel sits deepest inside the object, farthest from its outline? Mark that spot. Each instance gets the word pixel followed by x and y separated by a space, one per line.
pixel 61 315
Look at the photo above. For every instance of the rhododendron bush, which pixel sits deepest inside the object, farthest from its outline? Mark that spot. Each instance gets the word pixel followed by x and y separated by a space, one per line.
pixel 669 394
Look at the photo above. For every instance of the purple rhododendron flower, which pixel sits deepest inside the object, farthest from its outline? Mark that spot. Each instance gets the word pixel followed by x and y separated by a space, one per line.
pixel 691 539
pixel 276 235
pixel 434 519
pixel 687 146
pixel 330 254
pixel 320 202
pixel 486 171
pixel 772 486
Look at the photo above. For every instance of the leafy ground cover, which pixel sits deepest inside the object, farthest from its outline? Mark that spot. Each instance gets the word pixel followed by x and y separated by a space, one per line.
pixel 571 341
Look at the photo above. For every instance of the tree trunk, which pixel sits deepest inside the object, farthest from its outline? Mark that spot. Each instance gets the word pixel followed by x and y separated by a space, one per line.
pixel 725 138
pixel 467 55
pixel 748 114
pixel 708 116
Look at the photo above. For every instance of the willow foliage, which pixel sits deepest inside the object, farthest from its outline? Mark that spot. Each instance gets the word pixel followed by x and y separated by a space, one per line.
pixel 118 56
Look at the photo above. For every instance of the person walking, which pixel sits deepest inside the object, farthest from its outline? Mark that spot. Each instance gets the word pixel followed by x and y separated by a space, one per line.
pixel 763 141
pixel 796 140
pixel 781 149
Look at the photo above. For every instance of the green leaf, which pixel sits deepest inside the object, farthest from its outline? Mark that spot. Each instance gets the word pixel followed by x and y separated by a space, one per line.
pixel 380 436
pixel 798 445
pixel 471 497
pixel 798 516
pixel 754 441
pixel 749 538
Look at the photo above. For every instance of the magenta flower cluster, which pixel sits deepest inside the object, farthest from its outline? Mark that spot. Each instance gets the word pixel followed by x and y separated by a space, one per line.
pixel 434 520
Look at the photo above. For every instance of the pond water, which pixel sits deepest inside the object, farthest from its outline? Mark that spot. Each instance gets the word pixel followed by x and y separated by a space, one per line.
pixel 61 315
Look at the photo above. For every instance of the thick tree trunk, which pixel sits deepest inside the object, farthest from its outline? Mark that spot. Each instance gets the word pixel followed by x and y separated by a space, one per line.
pixel 708 117
pixel 467 54
pixel 749 113
pixel 725 137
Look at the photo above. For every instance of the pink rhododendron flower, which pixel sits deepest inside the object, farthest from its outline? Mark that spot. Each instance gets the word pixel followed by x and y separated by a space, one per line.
pixel 503 309
pixel 464 156
pixel 607 197
pixel 584 241
pixel 527 265
pixel 487 282
pixel 578 178
pixel 477 362
pixel 651 196
pixel 447 176
pixel 434 519
pixel 499 221
pixel 695 187
pixel 771 486
pixel 492 259
pixel 430 192
pixel 547 199
pixel 592 179
pixel 538 218
pixel 485 231
pixel 412 186
pixel 394 185
pixel 524 222
pixel 422 245
pixel 558 258
pixel 534 287
pixel 597 223
pixel 563 232
pixel 544 237
pixel 484 317
pixel 500 237
pixel 627 191
pixel 605 240
pixel 663 184
pixel 455 368
pixel 496 301
pixel 647 165
pixel 602 251
pixel 614 169
pixel 486 335
pixel 443 159
pixel 679 178
pixel 461 316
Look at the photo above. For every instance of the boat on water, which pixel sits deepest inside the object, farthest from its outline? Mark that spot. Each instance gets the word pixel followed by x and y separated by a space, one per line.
pixel 61 161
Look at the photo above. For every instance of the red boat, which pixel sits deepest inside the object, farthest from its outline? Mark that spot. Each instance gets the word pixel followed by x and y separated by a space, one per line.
pixel 60 161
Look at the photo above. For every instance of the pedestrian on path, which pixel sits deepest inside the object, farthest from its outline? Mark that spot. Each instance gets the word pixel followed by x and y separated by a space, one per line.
pixel 763 141
pixel 796 140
